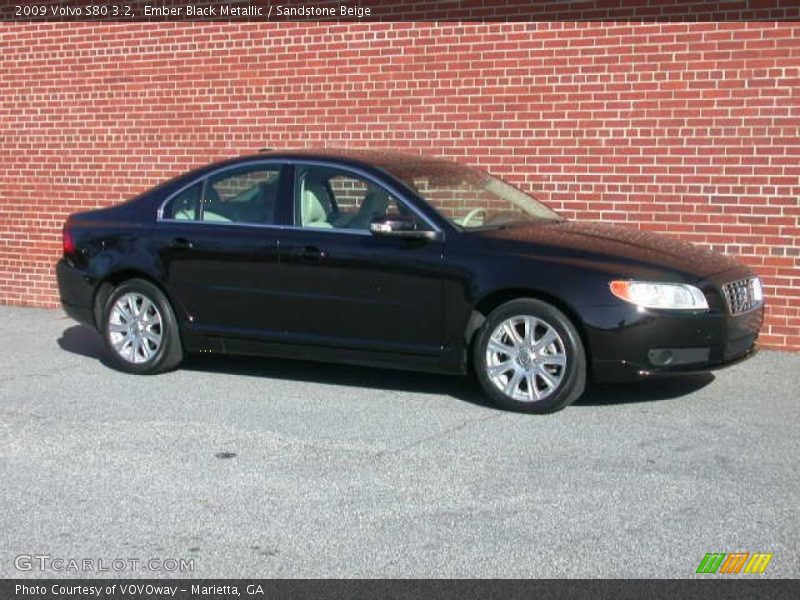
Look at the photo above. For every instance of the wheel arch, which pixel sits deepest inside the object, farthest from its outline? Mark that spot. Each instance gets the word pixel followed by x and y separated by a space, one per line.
pixel 113 280
pixel 492 300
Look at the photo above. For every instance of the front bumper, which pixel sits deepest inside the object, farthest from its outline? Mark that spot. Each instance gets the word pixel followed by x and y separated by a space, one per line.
pixel 628 343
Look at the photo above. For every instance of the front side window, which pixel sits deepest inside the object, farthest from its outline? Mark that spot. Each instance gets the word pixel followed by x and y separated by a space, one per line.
pixel 329 198
pixel 245 195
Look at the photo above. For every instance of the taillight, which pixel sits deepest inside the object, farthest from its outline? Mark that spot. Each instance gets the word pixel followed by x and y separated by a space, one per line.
pixel 69 241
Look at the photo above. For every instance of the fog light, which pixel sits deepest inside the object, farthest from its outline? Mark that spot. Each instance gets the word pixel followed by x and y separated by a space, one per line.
pixel 661 357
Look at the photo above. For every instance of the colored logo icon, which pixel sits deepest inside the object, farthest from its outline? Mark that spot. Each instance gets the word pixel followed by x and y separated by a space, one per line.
pixel 734 562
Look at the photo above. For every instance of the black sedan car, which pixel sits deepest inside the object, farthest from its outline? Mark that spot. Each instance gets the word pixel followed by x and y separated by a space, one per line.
pixel 394 260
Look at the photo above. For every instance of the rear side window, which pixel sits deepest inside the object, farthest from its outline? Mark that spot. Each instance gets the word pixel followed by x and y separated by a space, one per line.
pixel 184 206
pixel 246 195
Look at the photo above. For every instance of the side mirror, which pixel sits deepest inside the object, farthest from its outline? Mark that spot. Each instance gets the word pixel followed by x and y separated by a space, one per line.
pixel 400 226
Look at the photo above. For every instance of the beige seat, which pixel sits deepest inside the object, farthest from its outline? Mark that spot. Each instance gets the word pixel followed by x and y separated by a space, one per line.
pixel 314 205
pixel 188 215
pixel 212 216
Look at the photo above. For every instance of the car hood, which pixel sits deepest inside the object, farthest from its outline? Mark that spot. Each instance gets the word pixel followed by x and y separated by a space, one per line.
pixel 626 251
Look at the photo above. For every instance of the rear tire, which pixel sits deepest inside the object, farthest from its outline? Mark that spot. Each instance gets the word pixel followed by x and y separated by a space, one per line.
pixel 529 357
pixel 140 331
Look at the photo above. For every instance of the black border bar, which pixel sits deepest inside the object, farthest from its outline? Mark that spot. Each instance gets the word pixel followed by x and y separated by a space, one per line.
pixel 398 10
pixel 407 589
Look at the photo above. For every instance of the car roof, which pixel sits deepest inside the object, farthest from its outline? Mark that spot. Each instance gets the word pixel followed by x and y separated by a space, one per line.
pixel 399 165
pixel 385 159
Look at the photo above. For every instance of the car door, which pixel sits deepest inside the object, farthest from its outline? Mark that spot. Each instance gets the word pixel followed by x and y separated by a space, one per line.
pixel 220 249
pixel 344 286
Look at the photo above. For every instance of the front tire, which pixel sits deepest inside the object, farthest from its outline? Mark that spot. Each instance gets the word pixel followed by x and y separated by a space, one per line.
pixel 140 332
pixel 529 357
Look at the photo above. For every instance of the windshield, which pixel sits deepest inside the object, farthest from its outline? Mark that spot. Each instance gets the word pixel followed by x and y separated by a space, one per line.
pixel 469 198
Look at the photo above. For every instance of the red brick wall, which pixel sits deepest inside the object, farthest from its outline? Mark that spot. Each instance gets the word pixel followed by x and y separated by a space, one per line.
pixel 689 129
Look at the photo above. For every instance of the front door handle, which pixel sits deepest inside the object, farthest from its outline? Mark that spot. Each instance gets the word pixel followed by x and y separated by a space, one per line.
pixel 308 253
pixel 180 244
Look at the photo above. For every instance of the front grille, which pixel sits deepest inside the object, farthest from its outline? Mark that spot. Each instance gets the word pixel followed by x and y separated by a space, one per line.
pixel 741 295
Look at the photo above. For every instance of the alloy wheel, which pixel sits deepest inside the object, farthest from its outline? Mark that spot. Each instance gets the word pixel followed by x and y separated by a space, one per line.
pixel 135 328
pixel 526 358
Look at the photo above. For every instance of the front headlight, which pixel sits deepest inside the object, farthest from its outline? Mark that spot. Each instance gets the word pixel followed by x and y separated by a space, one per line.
pixel 758 291
pixel 650 294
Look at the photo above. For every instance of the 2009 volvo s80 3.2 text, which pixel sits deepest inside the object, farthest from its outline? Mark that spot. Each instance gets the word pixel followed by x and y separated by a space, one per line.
pixel 393 260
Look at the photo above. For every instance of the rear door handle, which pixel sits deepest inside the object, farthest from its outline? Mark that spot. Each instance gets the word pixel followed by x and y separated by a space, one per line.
pixel 308 253
pixel 180 244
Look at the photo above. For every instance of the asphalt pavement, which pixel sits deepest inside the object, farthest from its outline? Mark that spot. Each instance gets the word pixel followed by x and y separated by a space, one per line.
pixel 273 468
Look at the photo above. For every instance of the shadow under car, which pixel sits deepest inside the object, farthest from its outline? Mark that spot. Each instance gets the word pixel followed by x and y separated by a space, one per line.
pixel 84 341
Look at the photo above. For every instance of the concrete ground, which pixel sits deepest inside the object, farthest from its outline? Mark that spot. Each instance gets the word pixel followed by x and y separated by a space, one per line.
pixel 272 468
